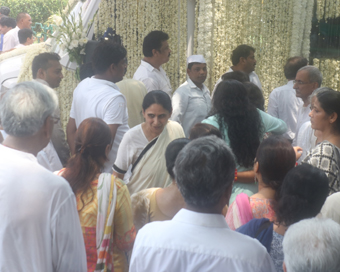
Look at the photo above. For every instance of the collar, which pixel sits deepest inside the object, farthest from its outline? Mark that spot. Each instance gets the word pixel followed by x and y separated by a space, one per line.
pixel 104 82
pixel 148 66
pixel 290 83
pixel 201 219
pixel 192 85
pixel 14 152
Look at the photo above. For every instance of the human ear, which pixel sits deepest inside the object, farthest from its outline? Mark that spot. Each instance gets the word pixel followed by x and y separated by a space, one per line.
pixel 154 52
pixel 41 73
pixel 256 167
pixel 333 117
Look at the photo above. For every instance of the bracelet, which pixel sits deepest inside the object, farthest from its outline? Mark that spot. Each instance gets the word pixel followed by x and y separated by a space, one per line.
pixel 235 178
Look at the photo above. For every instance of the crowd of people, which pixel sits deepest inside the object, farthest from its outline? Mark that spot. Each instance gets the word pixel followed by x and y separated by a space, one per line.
pixel 151 179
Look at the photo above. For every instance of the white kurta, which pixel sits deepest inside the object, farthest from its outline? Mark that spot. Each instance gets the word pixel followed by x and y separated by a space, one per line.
pixel 302 117
pixel 39 226
pixel 102 99
pixel 190 105
pixel 11 39
pixel 284 104
pixel 305 139
pixel 153 78
pixel 253 77
pixel 194 241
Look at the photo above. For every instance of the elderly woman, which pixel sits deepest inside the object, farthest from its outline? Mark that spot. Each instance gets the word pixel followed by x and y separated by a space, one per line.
pixel 243 127
pixel 103 201
pixel 325 117
pixel 141 153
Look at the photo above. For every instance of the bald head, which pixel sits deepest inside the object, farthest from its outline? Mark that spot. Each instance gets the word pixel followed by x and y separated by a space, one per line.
pixel 24 20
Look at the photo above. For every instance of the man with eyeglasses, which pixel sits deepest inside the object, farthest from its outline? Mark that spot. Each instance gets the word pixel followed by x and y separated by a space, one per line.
pixel 307 79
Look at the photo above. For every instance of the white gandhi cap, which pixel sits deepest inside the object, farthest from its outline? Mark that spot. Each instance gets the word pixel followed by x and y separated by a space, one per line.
pixel 196 58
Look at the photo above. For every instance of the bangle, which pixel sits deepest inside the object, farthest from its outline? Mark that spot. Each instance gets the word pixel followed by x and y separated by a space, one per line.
pixel 296 164
pixel 235 178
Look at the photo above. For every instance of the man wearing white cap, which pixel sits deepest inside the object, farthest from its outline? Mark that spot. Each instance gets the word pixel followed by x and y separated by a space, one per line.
pixel 191 102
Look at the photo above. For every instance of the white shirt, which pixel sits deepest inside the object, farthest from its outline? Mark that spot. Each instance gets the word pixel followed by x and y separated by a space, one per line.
pixel 11 39
pixel 153 78
pixel 190 105
pixel 102 99
pixel 253 77
pixel 305 139
pixel 19 46
pixel 302 117
pixel 195 242
pixel 39 226
pixel 284 104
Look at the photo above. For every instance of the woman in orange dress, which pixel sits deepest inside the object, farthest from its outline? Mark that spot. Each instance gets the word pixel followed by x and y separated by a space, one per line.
pixel 103 201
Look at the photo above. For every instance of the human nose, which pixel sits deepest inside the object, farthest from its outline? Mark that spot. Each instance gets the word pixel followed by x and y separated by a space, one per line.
pixel 310 113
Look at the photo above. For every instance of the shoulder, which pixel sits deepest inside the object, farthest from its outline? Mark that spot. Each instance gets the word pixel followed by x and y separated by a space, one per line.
pixel 134 132
pixel 212 120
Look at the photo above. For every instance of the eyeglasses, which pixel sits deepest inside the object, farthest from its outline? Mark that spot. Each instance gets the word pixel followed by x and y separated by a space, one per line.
pixel 299 82
pixel 55 119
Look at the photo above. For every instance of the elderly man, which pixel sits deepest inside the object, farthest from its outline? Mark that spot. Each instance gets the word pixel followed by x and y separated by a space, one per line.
pixel 39 226
pixel 11 38
pixel 243 59
pixel 198 237
pixel 191 102
pixel 47 70
pixel 312 245
pixel 100 97
pixel 283 103
pixel 156 52
pixel 307 79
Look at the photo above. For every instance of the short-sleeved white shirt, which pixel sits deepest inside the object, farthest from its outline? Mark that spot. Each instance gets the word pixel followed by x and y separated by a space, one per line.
pixel 102 99
pixel 302 117
pixel 11 39
pixel 153 78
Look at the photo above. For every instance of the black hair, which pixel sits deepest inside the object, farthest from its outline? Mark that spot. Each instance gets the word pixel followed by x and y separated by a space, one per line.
pixel 236 75
pixel 236 115
pixel 41 61
pixel 293 65
pixel 255 95
pixel 303 193
pixel 330 102
pixel 202 129
pixel 153 41
pixel 23 34
pixel 275 157
pixel 5 11
pixel 8 21
pixel 242 51
pixel 85 71
pixel 157 97
pixel 171 153
pixel 106 54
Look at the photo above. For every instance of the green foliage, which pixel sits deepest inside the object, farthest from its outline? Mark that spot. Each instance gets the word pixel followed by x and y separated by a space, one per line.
pixel 39 10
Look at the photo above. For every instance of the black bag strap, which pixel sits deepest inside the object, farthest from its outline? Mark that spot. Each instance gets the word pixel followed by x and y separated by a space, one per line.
pixel 148 146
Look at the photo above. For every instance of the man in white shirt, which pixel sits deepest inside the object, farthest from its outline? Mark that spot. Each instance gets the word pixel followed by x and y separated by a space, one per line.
pixel 307 79
pixel 191 102
pixel 198 237
pixel 47 70
pixel 243 59
pixel 11 38
pixel 6 24
pixel 39 226
pixel 25 37
pixel 156 52
pixel 100 97
pixel 283 103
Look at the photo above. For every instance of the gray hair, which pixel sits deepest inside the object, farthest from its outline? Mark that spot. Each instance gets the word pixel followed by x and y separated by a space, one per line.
pixel 314 74
pixel 319 90
pixel 204 169
pixel 312 245
pixel 25 107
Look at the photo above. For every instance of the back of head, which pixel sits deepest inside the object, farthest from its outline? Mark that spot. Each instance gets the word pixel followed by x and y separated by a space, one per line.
pixel 312 245
pixel 293 65
pixel 171 153
pixel 86 71
pixel 21 16
pixel 314 74
pixel 236 115
pixel 41 61
pixel 7 21
pixel 5 11
pixel 106 54
pixel 303 192
pixel 153 41
pixel 23 34
pixel 157 97
pixel 204 170
pixel 236 75
pixel 255 95
pixel 25 107
pixel 202 130
pixel 330 102
pixel 242 51
pixel 275 157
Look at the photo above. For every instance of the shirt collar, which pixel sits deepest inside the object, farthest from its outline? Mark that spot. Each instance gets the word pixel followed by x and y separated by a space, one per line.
pixel 148 66
pixel 14 152
pixel 201 219
pixel 290 83
pixel 105 82
pixel 192 85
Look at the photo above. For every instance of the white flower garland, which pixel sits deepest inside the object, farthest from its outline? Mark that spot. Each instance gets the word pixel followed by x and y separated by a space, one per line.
pixel 327 9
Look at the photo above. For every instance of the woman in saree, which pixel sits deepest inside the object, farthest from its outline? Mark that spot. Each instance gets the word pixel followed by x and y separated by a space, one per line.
pixel 325 118
pixel 243 127
pixel 103 201
pixel 140 159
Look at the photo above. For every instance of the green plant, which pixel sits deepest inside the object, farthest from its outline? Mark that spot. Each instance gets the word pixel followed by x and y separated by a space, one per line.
pixel 39 10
